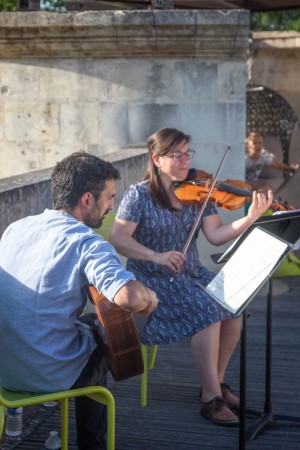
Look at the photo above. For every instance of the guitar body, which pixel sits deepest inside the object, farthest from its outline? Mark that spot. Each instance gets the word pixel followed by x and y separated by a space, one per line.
pixel 120 338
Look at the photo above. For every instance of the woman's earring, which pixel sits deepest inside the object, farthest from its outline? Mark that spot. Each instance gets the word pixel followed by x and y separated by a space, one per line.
pixel 158 171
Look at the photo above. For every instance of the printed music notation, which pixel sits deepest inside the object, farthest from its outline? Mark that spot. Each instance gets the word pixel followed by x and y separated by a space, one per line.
pixel 248 268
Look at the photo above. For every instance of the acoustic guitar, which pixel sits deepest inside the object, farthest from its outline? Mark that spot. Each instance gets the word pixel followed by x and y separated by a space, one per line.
pixel 121 342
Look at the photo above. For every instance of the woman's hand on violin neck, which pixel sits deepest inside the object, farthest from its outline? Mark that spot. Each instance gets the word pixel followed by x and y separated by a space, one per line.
pixel 260 204
pixel 173 260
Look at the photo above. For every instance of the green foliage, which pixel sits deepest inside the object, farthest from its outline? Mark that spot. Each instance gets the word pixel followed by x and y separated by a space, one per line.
pixel 46 5
pixel 288 19
pixel 8 5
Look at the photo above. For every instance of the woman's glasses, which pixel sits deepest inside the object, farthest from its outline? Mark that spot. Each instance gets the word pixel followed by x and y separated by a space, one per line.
pixel 180 156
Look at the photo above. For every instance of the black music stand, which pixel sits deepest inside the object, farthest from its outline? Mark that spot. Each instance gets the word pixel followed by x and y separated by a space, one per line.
pixel 285 226
pixel 267 416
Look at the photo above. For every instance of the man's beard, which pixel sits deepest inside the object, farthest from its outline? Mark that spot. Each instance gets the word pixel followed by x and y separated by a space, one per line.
pixel 95 222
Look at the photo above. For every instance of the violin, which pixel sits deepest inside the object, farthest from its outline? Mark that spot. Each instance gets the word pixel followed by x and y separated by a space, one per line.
pixel 201 187
pixel 229 194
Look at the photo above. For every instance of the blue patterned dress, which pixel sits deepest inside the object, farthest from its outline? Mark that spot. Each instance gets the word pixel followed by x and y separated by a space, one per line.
pixel 184 307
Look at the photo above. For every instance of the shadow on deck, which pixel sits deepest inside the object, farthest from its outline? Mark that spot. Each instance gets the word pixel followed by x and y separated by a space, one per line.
pixel 171 421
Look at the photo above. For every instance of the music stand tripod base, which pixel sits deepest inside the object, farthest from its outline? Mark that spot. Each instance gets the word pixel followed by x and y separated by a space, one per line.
pixel 267 417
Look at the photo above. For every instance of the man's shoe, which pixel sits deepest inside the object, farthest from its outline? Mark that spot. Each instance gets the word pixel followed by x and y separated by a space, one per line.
pixel 218 412
pixel 230 398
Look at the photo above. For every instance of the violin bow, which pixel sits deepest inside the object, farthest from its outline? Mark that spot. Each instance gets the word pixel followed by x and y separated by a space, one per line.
pixel 200 213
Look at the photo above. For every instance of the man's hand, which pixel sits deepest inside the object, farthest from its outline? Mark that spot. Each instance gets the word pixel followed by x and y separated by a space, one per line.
pixel 137 298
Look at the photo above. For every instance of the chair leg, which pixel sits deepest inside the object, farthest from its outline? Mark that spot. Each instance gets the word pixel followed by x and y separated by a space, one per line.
pixel 2 419
pixel 64 423
pixel 147 365
pixel 144 376
pixel 107 398
pixel 152 358
pixel 111 423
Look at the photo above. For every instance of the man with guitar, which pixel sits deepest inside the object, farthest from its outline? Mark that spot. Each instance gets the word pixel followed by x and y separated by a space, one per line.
pixel 47 264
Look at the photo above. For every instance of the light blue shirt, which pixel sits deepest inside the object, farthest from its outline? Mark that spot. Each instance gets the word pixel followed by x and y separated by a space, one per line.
pixel 46 262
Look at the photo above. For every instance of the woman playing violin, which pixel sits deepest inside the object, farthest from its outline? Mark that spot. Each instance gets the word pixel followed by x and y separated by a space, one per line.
pixel 151 229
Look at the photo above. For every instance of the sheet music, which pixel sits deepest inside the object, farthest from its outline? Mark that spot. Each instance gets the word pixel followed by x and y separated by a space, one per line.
pixel 228 251
pixel 247 269
pixel 288 230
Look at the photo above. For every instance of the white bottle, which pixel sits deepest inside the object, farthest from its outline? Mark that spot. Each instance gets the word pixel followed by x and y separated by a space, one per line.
pixel 14 422
pixel 53 442
pixel 49 404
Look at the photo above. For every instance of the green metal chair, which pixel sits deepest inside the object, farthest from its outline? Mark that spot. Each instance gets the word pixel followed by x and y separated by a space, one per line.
pixel 10 399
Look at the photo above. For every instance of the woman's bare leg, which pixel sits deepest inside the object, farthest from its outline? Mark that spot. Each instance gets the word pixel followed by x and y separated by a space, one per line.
pixel 212 349
pixel 229 337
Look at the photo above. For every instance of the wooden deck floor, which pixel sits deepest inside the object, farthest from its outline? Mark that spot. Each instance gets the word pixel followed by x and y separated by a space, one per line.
pixel 171 421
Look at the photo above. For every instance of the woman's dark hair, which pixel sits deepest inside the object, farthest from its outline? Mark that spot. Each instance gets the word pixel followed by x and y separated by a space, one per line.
pixel 76 174
pixel 161 143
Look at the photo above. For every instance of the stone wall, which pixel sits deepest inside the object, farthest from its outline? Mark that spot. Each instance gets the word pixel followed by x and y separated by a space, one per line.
pixel 30 193
pixel 102 81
